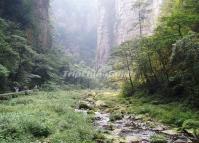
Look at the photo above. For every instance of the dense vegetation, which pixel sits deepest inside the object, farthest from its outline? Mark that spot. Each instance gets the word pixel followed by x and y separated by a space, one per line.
pixel 35 119
pixel 23 62
pixel 166 62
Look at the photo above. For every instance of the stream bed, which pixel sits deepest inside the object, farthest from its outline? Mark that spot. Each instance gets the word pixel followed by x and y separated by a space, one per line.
pixel 131 128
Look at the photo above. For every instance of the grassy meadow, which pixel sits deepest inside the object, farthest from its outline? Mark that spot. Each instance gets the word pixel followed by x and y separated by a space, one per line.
pixel 44 117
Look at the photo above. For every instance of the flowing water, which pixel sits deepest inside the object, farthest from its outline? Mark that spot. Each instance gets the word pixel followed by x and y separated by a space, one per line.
pixel 131 128
pixel 127 129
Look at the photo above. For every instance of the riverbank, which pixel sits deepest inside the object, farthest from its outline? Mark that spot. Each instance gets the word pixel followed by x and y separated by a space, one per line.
pixel 137 119
pixel 82 116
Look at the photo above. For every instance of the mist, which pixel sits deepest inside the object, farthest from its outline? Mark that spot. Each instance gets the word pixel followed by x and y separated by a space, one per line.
pixel 74 23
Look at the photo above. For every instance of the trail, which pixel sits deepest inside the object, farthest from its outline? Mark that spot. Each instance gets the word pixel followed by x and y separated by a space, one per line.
pixel 128 128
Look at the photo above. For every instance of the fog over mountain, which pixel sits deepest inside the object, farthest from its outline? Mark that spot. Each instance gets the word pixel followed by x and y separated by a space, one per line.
pixel 89 29
pixel 74 25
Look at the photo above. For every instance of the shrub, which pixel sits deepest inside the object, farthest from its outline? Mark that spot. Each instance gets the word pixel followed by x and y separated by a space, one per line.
pixel 9 128
pixel 127 89
pixel 50 86
pixel 38 129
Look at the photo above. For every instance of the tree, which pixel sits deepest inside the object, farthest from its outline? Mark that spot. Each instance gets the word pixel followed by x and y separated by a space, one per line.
pixel 142 7
pixel 124 58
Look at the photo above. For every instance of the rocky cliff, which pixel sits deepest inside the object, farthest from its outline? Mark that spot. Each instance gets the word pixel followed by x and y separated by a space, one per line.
pixel 39 33
pixel 118 21
pixel 42 14
pixel 32 16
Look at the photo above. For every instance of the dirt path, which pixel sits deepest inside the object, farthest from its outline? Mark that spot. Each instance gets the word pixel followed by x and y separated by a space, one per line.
pixel 125 128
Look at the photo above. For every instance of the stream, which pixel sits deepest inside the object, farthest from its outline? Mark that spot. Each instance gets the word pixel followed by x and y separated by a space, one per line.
pixel 130 128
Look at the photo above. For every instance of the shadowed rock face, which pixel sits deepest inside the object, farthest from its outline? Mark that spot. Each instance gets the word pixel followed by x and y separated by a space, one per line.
pixel 105 29
pixel 32 16
pixel 118 22
pixel 41 13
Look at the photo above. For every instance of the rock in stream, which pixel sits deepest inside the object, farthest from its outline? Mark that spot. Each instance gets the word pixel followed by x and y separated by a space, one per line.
pixel 129 129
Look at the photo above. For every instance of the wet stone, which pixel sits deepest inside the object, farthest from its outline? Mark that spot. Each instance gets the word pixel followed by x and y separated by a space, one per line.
pixel 85 105
pixel 171 132
pixel 128 129
pixel 183 139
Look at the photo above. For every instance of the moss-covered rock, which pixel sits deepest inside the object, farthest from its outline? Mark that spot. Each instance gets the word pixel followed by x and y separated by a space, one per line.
pixel 158 139
pixel 100 104
pixel 85 105
pixel 116 116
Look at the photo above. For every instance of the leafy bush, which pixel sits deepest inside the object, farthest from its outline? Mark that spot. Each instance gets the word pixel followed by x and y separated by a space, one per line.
pixel 127 89
pixel 50 86
pixel 9 129
pixel 38 129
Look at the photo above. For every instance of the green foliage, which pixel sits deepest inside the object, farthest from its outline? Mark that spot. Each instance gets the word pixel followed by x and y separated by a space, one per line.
pixel 16 55
pixel 22 64
pixel 191 125
pixel 166 62
pixel 127 89
pixel 37 129
pixel 142 105
pixel 34 118
pixel 3 71
pixel 19 11
pixel 158 139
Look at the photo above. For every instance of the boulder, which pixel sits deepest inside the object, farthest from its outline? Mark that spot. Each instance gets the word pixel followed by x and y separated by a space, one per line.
pixel 85 105
pixel 91 100
pixel 138 117
pixel 100 103
pixel 92 94
pixel 182 141
pixel 172 132
pixel 133 139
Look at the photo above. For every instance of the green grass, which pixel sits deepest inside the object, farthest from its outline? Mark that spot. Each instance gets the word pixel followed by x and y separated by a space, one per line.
pixel 44 117
pixel 173 114
pixel 50 116
pixel 158 139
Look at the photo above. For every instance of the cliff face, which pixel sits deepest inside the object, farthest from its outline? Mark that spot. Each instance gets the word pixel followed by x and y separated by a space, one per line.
pixel 32 16
pixel 38 32
pixel 105 29
pixel 118 21
pixel 41 12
